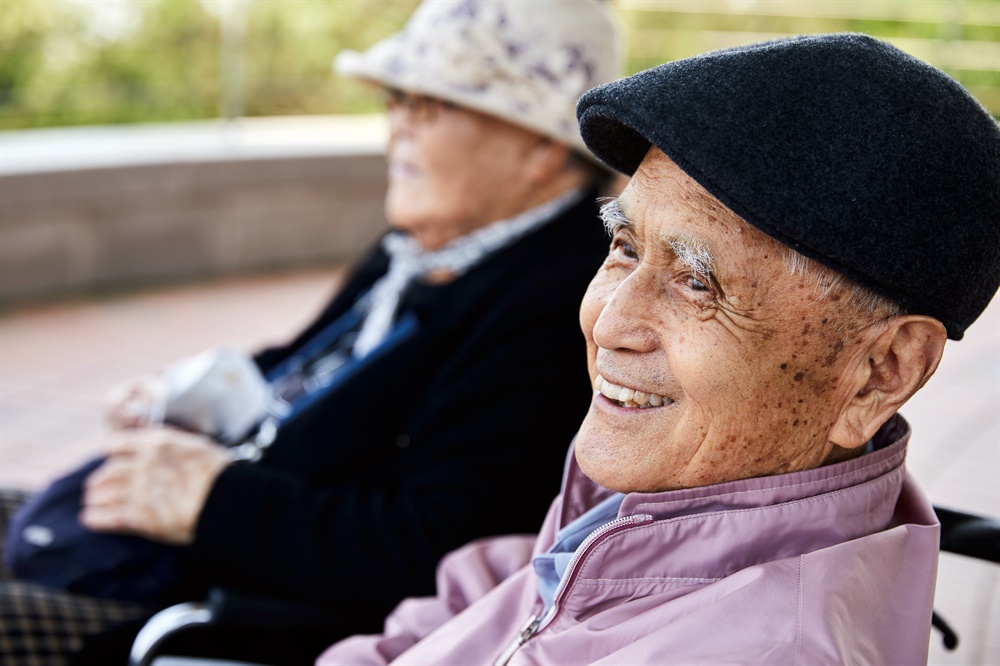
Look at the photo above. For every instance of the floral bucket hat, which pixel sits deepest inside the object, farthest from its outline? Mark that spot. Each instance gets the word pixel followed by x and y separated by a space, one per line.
pixel 525 62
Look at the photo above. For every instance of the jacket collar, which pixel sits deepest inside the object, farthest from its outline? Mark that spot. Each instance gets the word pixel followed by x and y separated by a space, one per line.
pixel 746 522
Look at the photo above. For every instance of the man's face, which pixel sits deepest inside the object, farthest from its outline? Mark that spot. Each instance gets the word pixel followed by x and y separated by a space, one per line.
pixel 695 309
pixel 452 170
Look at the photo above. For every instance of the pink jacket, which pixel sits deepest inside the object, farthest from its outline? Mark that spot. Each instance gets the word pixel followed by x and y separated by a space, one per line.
pixel 831 565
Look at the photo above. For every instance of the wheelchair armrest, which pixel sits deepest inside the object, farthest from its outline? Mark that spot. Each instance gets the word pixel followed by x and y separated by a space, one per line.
pixel 226 613
pixel 162 626
pixel 969 535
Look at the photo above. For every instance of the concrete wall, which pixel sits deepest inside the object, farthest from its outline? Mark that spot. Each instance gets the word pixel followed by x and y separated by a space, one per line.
pixel 117 206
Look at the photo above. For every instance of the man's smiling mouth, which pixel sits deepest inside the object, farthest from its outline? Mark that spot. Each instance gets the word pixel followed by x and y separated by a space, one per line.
pixel 627 397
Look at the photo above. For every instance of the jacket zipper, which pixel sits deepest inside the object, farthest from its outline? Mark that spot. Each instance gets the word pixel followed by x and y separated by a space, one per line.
pixel 527 630
pixel 535 623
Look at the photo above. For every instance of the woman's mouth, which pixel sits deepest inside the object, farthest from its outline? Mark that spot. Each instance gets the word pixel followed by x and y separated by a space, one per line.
pixel 628 397
pixel 401 169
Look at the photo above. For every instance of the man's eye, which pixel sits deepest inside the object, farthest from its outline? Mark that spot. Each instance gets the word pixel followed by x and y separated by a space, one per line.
pixel 695 284
pixel 625 247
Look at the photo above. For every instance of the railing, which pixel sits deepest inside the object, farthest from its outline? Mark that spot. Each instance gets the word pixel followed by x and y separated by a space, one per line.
pixel 962 37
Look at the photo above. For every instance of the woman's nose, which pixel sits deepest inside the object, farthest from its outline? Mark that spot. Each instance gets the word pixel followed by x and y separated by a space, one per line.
pixel 400 121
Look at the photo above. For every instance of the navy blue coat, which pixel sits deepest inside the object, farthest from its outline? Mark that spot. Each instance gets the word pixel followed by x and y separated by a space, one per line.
pixel 360 495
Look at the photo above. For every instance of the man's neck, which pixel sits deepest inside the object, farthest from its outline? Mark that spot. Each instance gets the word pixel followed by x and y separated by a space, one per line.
pixel 840 454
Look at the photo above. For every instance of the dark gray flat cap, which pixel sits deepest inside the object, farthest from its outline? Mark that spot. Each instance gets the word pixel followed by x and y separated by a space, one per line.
pixel 840 146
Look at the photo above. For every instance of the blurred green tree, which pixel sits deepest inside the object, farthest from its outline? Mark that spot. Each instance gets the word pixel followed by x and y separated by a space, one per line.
pixel 61 63
pixel 291 46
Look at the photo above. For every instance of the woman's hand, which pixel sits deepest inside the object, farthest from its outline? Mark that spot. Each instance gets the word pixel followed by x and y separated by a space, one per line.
pixel 134 403
pixel 154 484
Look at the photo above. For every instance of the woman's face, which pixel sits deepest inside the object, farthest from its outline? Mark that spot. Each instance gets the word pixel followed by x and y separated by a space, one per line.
pixel 452 170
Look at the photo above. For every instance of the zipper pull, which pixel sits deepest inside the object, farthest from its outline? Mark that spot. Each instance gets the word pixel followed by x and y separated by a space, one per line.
pixel 536 622
pixel 527 630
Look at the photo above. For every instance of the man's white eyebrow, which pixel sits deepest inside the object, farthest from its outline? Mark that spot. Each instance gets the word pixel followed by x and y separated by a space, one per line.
pixel 694 254
pixel 613 216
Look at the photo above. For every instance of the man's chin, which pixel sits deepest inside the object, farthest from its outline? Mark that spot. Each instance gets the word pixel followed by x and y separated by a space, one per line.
pixel 597 461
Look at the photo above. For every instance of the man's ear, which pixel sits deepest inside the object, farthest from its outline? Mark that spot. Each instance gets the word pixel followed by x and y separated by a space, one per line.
pixel 897 363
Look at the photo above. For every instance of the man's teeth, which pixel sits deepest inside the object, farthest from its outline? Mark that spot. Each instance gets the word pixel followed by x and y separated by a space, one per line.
pixel 627 397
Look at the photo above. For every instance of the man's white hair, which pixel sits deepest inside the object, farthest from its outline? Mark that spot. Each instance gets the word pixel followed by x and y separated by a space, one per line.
pixel 869 306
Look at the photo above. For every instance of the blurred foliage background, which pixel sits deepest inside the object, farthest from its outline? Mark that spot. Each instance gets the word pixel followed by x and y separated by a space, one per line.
pixel 72 62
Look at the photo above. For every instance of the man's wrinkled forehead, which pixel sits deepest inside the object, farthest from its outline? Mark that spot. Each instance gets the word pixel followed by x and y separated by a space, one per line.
pixel 659 190
pixel 660 183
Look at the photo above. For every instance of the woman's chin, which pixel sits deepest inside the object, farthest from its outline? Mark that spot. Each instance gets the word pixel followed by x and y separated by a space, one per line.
pixel 405 213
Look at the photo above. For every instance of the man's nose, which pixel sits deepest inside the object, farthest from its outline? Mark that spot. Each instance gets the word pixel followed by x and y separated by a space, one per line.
pixel 627 321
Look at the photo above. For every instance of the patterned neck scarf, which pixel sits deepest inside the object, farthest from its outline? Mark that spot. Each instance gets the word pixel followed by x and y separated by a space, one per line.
pixel 408 261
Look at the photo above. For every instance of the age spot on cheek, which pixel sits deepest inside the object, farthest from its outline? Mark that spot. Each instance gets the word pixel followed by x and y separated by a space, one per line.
pixel 835 350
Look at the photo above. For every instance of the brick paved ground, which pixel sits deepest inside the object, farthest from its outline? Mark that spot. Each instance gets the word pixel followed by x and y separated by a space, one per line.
pixel 57 361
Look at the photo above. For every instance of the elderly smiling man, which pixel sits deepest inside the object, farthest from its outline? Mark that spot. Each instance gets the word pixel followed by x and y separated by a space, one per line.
pixel 807 221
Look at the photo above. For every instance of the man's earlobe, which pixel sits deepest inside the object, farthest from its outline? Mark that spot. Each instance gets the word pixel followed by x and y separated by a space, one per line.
pixel 898 362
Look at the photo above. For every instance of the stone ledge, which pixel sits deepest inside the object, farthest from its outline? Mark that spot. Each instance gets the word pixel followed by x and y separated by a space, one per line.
pixel 85 208
pixel 97 146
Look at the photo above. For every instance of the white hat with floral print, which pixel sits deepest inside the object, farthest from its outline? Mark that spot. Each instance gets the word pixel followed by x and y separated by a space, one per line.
pixel 526 62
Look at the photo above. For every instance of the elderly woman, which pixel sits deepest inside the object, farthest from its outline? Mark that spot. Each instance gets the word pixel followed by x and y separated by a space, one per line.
pixel 398 419
pixel 807 221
